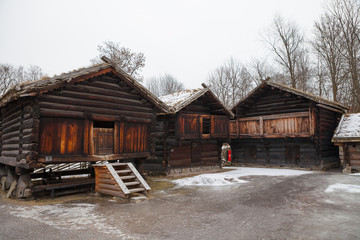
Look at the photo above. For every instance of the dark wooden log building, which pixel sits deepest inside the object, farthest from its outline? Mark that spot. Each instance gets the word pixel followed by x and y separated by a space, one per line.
pixel 191 133
pixel 88 115
pixel 279 125
pixel 347 138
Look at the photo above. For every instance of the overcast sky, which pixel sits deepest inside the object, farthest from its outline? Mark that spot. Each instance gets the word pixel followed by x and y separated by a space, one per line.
pixel 187 39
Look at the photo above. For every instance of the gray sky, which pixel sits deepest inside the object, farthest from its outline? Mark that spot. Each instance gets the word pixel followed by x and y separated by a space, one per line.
pixel 187 39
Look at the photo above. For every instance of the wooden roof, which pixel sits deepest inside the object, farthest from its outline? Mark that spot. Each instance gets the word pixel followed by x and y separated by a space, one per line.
pixel 49 84
pixel 179 100
pixel 348 129
pixel 321 102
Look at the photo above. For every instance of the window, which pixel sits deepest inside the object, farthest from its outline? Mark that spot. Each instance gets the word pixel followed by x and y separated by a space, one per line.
pixel 206 125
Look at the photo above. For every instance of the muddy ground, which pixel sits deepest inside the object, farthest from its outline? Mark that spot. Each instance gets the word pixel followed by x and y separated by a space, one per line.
pixel 291 207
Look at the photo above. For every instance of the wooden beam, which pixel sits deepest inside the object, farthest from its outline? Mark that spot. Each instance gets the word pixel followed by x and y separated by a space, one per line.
pixel 276 116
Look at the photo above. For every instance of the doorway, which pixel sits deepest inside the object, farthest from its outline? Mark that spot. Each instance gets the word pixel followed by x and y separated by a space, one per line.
pixel 103 137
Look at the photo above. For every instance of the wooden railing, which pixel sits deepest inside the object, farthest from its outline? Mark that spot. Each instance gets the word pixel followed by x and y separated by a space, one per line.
pixel 300 124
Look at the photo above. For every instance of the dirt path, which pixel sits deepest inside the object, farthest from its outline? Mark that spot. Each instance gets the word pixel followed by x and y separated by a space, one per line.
pixel 292 207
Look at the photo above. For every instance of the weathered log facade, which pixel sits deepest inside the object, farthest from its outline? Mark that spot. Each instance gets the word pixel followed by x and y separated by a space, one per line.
pixel 191 134
pixel 278 125
pixel 347 138
pixel 92 114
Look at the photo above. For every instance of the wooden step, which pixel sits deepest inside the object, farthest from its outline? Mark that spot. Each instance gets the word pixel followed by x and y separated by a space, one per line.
pixel 127 177
pixel 118 164
pixel 112 164
pixel 133 190
pixel 123 171
pixel 131 183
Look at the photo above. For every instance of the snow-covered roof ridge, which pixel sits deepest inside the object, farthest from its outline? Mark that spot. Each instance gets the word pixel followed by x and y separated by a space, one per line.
pixel 348 128
pixel 179 98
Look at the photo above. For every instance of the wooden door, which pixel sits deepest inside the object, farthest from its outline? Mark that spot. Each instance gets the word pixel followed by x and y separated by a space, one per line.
pixel 103 141
pixel 195 152
pixel 292 154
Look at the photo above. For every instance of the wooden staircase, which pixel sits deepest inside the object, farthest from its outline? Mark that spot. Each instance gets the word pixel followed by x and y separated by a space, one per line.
pixel 119 179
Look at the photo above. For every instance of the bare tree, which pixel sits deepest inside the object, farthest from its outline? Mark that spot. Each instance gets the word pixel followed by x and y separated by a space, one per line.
pixel 153 85
pixel 33 73
pixel 164 85
pixel 347 15
pixel 230 82
pixel 129 61
pixel 286 42
pixel 260 70
pixel 170 84
pixel 303 71
pixel 9 76
pixel 326 45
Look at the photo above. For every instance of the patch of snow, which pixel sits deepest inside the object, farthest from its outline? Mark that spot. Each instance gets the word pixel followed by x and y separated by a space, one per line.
pixel 178 97
pixel 355 174
pixel 232 177
pixel 349 126
pixel 329 201
pixel 343 187
pixel 77 216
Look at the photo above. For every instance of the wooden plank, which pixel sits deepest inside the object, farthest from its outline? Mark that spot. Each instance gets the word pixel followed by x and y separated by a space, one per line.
pixel 133 190
pixel 112 193
pixel 112 187
pixel 116 137
pixel 139 177
pixel 118 179
pixel 276 116
pixel 113 164
pixel 87 138
pixel 106 181
pixel 261 125
pixel 93 158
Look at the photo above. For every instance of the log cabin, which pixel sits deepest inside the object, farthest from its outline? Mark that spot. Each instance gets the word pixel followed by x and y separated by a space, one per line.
pixel 282 126
pixel 190 135
pixel 92 114
pixel 347 138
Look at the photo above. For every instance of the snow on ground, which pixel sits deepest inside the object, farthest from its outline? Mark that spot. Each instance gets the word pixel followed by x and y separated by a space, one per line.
pixel 232 177
pixel 355 174
pixel 343 187
pixel 76 216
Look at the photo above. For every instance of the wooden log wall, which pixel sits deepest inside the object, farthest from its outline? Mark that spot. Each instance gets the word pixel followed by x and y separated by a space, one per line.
pixel 272 101
pixel 102 99
pixel 204 105
pixel 353 151
pixel 164 140
pixel 275 151
pixel 193 153
pixel 328 121
pixel 19 133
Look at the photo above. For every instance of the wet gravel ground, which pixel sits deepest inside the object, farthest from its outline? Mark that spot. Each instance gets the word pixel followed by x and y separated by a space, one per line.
pixel 291 207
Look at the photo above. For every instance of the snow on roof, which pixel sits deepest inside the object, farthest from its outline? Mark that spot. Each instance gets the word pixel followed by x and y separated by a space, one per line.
pixel 179 97
pixel 349 127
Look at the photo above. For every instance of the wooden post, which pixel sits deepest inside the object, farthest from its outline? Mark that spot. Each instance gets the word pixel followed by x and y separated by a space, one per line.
pixel 261 126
